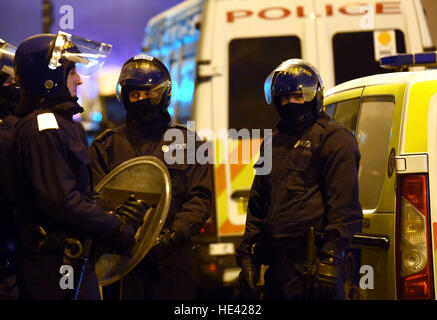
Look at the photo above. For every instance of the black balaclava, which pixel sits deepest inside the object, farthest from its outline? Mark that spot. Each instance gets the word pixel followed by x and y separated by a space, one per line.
pixel 142 115
pixel 295 117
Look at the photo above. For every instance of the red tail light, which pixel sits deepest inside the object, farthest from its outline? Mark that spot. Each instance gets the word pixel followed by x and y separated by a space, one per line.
pixel 413 245
pixel 212 267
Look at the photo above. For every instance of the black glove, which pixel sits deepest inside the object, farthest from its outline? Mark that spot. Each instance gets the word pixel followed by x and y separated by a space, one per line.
pixel 102 202
pixel 123 238
pixel 248 278
pixel 167 241
pixel 132 211
pixel 328 269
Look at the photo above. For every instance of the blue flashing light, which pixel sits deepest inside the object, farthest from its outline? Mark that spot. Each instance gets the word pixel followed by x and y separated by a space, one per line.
pixel 96 116
pixel 190 39
pixel 154 52
pixel 185 92
pixel 409 60
pixel 188 67
pixel 165 51
pixel 167 46
pixel 171 111
pixel 426 58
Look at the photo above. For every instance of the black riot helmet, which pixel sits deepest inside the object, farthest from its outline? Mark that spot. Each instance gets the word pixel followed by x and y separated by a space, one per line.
pixel 42 61
pixel 295 76
pixel 144 72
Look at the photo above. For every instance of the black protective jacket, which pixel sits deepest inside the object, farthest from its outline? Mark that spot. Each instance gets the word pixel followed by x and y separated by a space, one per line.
pixel 191 183
pixel 6 193
pixel 191 204
pixel 313 182
pixel 52 184
pixel 8 230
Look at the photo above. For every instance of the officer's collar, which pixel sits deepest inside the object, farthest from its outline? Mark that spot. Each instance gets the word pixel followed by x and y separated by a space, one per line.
pixel 284 128
pixel 323 119
pixel 66 106
pixel 141 129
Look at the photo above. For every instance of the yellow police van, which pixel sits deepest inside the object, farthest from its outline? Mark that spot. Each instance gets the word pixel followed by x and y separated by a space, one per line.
pixel 394 118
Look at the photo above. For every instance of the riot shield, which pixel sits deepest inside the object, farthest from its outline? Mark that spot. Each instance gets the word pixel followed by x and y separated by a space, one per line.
pixel 149 180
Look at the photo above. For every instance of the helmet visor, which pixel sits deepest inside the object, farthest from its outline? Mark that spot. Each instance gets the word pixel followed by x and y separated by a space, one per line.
pixel 153 93
pixel 142 74
pixel 287 83
pixel 268 88
pixel 293 77
pixel 88 55
pixel 7 53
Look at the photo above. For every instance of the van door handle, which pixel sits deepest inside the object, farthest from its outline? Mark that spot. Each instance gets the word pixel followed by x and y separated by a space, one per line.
pixel 370 241
pixel 205 71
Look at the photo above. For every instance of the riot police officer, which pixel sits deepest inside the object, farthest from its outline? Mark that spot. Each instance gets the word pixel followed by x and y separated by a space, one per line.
pixel 311 191
pixel 60 224
pixel 9 95
pixel 144 88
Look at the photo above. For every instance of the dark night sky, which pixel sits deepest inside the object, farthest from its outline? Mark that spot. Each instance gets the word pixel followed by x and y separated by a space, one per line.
pixel 120 23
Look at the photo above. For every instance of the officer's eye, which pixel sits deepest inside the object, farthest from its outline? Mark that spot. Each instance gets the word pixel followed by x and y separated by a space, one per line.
pixel 134 95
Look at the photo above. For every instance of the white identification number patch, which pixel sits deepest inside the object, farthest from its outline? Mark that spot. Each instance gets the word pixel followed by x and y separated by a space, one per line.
pixel 47 121
pixel 143 56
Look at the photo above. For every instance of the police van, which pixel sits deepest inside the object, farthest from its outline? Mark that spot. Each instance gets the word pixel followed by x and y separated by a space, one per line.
pixel 219 53
pixel 394 118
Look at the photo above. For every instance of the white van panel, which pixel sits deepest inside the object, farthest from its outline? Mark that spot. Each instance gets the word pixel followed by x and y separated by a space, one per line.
pixel 432 180
pixel 417 163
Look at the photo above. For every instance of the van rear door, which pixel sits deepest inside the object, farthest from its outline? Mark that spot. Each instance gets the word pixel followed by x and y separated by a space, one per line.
pixel 373 114
pixel 416 210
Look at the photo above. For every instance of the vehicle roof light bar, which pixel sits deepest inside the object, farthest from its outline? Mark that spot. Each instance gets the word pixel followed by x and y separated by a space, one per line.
pixel 405 60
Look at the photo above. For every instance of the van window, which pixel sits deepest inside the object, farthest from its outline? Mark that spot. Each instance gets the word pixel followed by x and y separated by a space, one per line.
pixel 345 112
pixel 373 136
pixel 354 55
pixel 250 62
